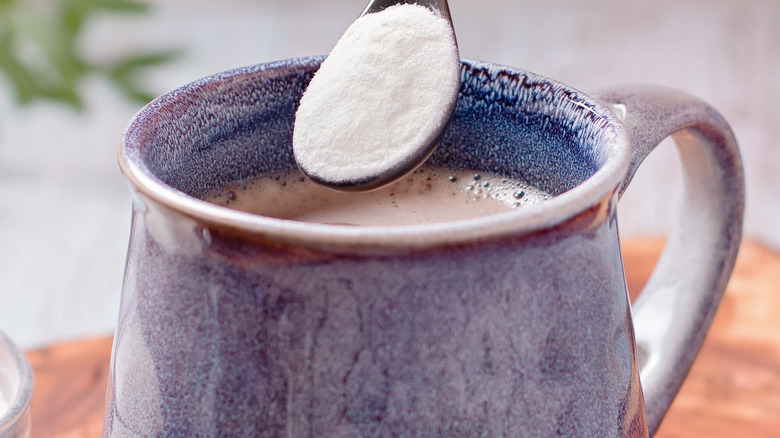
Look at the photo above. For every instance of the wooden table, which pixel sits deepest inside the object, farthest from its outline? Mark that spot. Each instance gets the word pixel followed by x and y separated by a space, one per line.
pixel 733 389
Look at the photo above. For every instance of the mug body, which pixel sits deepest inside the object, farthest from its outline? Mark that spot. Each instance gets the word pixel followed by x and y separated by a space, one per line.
pixel 511 325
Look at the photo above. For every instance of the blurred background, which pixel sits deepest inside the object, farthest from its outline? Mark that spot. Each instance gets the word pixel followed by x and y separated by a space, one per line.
pixel 73 72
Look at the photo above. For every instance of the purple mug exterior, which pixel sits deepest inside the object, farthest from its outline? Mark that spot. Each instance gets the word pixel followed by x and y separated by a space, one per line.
pixel 511 325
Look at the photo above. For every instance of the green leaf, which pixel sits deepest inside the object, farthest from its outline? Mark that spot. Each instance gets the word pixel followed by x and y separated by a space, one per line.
pixel 41 58
pixel 122 6
pixel 21 78
pixel 132 63
pixel 124 73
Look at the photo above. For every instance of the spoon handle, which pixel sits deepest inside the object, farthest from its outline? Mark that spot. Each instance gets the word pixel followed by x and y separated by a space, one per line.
pixel 439 7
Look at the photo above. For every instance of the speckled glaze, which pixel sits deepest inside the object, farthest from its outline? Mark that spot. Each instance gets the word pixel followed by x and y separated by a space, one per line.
pixel 513 325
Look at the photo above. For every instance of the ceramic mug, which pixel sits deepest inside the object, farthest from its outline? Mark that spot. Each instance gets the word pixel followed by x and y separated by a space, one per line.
pixel 516 324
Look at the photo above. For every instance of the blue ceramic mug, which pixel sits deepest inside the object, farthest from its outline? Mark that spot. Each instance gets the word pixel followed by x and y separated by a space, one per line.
pixel 511 325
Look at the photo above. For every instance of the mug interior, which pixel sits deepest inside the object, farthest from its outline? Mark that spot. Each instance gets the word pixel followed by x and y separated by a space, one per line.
pixel 237 125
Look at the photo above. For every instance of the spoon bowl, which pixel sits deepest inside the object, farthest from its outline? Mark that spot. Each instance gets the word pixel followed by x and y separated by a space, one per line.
pixel 396 155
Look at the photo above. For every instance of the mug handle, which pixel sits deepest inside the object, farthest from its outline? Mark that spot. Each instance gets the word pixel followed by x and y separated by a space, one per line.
pixel 675 309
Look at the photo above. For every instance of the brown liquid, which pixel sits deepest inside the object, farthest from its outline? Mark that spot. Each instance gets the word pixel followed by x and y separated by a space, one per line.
pixel 428 195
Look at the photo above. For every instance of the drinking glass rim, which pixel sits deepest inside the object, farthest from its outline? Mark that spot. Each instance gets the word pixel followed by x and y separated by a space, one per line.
pixel 595 190
pixel 21 402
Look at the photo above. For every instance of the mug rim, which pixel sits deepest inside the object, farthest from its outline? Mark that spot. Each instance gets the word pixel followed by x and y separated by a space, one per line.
pixel 594 190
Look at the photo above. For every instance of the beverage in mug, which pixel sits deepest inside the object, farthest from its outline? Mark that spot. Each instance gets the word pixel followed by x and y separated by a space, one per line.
pixel 429 195
pixel 515 323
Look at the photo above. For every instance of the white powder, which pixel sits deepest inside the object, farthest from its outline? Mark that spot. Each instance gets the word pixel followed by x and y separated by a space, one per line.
pixel 380 95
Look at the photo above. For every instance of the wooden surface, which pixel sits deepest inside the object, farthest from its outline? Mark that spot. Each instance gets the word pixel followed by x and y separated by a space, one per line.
pixel 733 389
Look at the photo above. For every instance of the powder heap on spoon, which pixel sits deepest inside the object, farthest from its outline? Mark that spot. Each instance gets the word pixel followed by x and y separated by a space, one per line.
pixel 378 105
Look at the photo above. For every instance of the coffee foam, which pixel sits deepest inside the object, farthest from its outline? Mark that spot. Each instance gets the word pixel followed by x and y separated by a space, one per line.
pixel 429 195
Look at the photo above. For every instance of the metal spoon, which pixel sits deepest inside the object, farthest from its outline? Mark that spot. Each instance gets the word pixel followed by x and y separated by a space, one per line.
pixel 439 7
pixel 410 162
